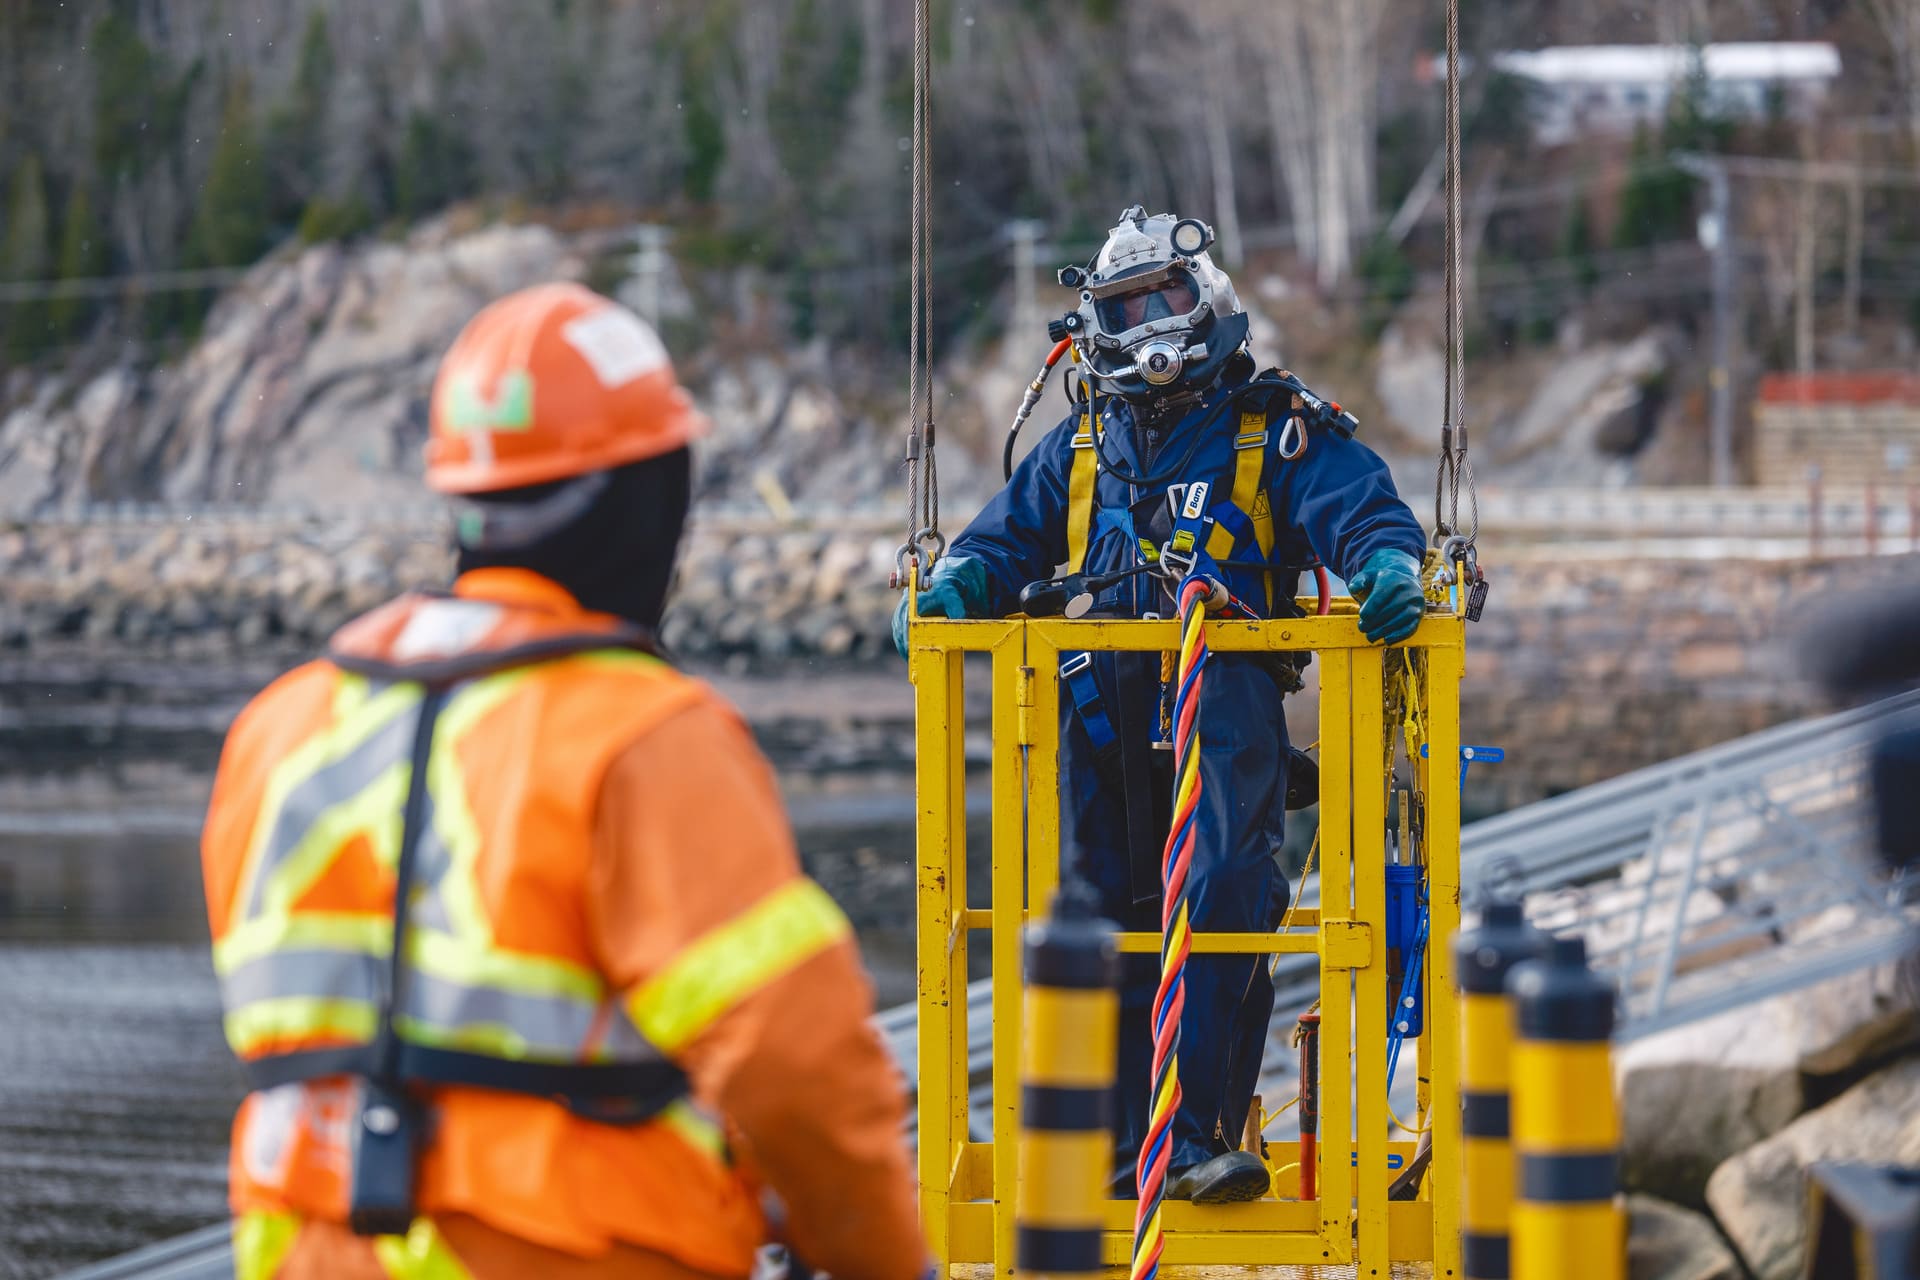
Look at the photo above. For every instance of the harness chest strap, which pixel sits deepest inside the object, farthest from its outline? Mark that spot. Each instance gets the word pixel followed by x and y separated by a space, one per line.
pixel 1248 494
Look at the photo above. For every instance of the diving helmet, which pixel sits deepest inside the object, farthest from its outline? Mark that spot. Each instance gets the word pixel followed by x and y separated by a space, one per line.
pixel 1156 318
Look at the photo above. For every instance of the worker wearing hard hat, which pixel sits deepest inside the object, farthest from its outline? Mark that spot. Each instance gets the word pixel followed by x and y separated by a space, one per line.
pixel 1179 448
pixel 509 926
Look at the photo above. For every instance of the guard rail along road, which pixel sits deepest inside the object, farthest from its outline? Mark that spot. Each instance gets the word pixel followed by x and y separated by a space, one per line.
pixel 1782 522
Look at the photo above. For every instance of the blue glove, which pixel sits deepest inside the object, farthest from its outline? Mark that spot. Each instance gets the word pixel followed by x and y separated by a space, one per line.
pixel 1391 601
pixel 957 588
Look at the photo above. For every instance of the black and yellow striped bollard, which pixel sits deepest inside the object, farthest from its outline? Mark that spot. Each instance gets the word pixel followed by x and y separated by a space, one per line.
pixel 1566 1122
pixel 1482 958
pixel 1067 1056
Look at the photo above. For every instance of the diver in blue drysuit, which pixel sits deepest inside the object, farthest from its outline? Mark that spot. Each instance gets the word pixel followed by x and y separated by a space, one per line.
pixel 1334 501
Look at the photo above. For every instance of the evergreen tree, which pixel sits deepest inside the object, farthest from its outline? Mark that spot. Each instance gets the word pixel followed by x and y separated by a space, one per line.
pixel 436 167
pixel 1657 202
pixel 24 257
pixel 136 108
pixel 820 70
pixel 82 257
pixel 294 129
pixel 230 224
pixel 1576 243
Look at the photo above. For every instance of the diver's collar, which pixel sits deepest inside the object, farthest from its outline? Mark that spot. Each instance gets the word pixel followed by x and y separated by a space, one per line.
pixel 1176 405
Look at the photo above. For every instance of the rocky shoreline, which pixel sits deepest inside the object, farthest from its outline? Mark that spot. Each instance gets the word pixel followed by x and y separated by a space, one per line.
pixel 1723 1119
pixel 1585 666
pixel 234 590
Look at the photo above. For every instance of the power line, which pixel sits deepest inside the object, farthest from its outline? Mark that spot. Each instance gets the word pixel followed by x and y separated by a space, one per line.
pixel 1838 171
pixel 116 286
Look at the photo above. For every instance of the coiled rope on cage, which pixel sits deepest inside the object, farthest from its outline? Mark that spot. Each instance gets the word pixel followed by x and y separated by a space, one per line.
pixel 1176 939
pixel 924 540
pixel 1455 470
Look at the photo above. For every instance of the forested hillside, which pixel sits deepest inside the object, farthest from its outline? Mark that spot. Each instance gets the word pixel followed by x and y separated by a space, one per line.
pixel 141 139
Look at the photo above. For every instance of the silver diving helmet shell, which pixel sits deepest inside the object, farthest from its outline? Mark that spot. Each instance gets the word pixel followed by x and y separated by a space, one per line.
pixel 1151 308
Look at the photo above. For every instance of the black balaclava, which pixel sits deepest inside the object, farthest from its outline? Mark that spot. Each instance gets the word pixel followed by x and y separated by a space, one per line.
pixel 616 556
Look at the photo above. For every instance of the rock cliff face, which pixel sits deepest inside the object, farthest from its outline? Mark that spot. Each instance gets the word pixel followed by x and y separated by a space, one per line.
pixel 308 389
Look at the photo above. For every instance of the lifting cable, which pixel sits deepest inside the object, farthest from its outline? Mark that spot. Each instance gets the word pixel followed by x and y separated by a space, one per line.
pixel 1454 469
pixel 924 541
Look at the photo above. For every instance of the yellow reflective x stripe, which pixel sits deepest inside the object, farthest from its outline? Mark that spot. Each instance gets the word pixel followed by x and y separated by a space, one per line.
pixel 421 1254
pixel 307 931
pixel 630 659
pixel 359 718
pixel 299 1018
pixel 489 1038
pixel 457 960
pixel 261 1242
pixel 1086 470
pixel 694 1128
pixel 729 963
pixel 375 813
pixel 453 817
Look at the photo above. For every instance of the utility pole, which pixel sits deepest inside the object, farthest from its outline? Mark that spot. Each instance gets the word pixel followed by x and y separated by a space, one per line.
pixel 1716 236
pixel 1805 207
pixel 650 271
pixel 1025 236
pixel 1856 233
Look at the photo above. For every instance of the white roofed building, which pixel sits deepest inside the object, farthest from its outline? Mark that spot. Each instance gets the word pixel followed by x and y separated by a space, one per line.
pixel 1616 88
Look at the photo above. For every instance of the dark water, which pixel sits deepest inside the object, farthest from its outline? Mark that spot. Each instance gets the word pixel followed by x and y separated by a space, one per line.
pixel 116 1086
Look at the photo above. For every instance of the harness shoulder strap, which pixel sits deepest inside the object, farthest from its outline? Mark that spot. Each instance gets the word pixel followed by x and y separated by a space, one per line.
pixel 1249 491
pixel 1080 484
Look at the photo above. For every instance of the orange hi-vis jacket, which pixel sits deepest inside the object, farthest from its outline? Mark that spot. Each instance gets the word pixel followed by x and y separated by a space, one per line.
pixel 602 880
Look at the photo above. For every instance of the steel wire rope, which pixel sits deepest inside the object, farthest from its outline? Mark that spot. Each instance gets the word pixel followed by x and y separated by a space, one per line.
pixel 1454 469
pixel 923 541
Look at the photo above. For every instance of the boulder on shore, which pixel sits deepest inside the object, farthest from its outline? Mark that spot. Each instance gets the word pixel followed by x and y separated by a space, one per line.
pixel 1760 1195
pixel 1695 1095
pixel 1667 1242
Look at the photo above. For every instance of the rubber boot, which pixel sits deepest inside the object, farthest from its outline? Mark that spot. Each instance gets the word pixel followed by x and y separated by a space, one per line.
pixel 1233 1178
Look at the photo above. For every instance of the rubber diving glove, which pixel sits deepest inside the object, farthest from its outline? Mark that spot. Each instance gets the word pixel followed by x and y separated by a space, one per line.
pixel 957 588
pixel 1391 601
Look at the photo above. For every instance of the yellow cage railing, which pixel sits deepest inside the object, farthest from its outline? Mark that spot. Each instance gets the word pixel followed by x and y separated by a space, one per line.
pixel 967 1188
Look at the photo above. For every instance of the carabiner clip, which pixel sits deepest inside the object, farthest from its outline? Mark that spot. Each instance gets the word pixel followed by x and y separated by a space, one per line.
pixel 1293 438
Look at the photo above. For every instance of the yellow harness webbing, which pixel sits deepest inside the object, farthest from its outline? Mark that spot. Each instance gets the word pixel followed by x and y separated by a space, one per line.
pixel 1248 495
pixel 1080 482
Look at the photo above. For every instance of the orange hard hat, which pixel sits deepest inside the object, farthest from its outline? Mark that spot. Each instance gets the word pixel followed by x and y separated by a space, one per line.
pixel 549 383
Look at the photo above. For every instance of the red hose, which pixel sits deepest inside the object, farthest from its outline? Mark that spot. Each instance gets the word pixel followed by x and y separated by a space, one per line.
pixel 1059 349
pixel 1325 588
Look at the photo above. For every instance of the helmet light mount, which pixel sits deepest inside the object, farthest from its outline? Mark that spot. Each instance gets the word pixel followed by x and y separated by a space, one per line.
pixel 1191 236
